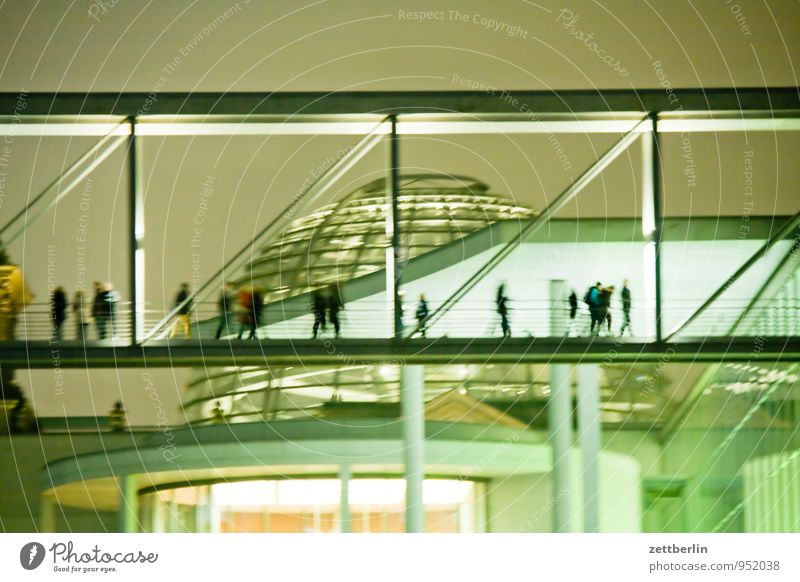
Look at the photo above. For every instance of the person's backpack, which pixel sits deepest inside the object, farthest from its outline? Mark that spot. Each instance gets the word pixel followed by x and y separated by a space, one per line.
pixel 587 299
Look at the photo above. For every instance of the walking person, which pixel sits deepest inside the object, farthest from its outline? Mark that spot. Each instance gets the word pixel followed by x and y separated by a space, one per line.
pixel 318 307
pixel 592 299
pixel 15 295
pixel 99 311
pixel 626 309
pixel 81 318
pixel 183 303
pixel 110 300
pixel 245 308
pixel 422 315
pixel 258 312
pixel 501 302
pixel 335 305
pixel 573 311
pixel 605 307
pixel 58 312
pixel 226 305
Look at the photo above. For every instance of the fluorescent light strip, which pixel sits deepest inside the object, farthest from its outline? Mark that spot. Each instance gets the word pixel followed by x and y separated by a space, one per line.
pixel 211 128
pixel 63 129
pixel 726 125
pixel 509 127
pixel 145 128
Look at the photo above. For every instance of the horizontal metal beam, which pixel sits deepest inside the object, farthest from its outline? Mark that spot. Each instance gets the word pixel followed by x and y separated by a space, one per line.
pixel 188 353
pixel 492 101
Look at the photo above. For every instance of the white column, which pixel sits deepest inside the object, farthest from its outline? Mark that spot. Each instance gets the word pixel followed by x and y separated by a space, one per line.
pixel 159 524
pixel 345 475
pixel 214 513
pixel 412 389
pixel 47 514
pixel 128 505
pixel 589 438
pixel 559 418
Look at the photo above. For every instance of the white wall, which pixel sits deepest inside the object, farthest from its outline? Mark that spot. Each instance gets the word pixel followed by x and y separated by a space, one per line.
pixel 524 503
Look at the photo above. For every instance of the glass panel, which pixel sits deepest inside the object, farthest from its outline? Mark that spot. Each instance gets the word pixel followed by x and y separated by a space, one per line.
pixel 725 195
pixel 312 506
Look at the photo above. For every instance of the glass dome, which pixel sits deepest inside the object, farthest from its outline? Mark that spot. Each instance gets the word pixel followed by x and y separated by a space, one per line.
pixel 347 239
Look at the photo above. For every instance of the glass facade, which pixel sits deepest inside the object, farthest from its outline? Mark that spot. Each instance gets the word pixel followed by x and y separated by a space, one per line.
pixel 376 505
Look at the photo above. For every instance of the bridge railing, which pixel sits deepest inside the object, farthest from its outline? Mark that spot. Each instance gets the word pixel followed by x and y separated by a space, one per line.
pixel 371 318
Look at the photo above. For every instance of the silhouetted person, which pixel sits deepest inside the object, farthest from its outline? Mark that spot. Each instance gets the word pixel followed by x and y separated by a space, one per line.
pixel 99 311
pixel 573 309
pixel 502 310
pixel 183 303
pixel 335 305
pixel 226 305
pixel 626 309
pixel 81 317
pixel 318 308
pixel 605 306
pixel 112 298
pixel 592 299
pixel 245 306
pixel 106 307
pixel 258 312
pixel 422 316
pixel 116 418
pixel 58 312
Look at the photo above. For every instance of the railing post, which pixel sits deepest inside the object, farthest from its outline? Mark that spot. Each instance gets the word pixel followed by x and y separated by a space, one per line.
pixel 393 264
pixel 658 220
pixel 652 222
pixel 136 234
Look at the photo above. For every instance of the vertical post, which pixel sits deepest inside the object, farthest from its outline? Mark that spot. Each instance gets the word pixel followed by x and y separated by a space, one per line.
pixel 214 514
pixel 47 514
pixel 589 439
pixel 652 221
pixel 128 504
pixel 559 418
pixel 393 264
pixel 345 474
pixel 412 388
pixel 157 516
pixel 136 234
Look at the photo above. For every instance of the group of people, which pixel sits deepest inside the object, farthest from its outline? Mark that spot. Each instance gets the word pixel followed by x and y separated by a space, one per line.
pixel 325 306
pixel 598 300
pixel 103 310
pixel 244 307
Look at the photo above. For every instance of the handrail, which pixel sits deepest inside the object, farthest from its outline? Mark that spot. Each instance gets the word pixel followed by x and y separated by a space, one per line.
pixel 790 257
pixel 331 175
pixel 787 229
pixel 539 221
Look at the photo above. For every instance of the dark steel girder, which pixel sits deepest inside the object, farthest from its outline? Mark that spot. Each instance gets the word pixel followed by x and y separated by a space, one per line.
pixel 368 351
pixel 250 103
